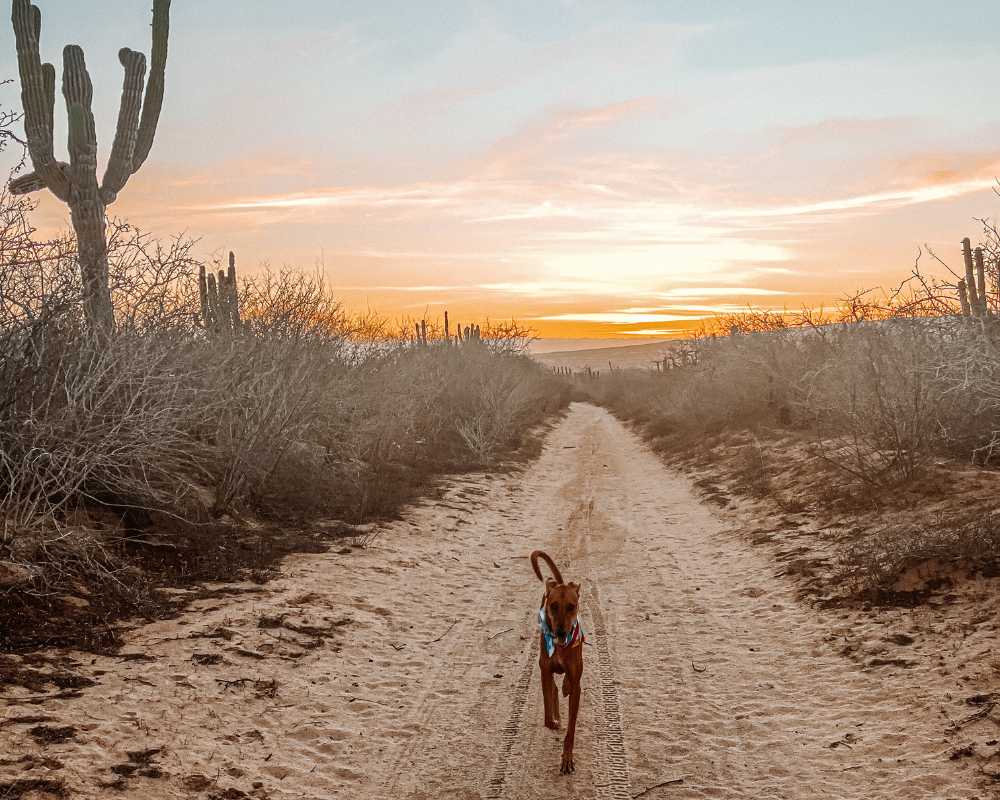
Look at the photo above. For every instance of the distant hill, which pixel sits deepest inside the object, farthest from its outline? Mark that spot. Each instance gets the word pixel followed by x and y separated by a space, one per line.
pixel 635 356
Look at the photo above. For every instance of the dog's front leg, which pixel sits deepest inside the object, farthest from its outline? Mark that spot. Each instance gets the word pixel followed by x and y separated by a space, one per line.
pixel 550 698
pixel 567 765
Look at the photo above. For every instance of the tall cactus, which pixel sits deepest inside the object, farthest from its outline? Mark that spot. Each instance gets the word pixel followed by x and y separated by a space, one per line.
pixel 76 183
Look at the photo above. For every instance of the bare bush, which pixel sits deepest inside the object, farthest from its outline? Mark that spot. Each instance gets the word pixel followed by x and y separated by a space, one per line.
pixel 882 385
pixel 878 563
pixel 305 408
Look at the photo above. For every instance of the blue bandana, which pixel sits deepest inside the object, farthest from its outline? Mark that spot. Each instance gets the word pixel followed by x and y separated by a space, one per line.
pixel 573 638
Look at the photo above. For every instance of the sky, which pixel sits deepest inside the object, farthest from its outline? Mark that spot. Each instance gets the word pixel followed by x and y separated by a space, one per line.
pixel 597 170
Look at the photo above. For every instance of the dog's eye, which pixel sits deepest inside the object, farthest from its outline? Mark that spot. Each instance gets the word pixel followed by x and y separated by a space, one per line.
pixel 570 608
pixel 555 607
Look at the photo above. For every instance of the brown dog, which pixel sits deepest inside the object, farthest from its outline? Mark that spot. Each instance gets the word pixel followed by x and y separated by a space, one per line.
pixel 561 651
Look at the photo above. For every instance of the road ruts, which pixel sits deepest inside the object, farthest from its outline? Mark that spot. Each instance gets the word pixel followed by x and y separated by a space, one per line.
pixel 610 737
pixel 497 782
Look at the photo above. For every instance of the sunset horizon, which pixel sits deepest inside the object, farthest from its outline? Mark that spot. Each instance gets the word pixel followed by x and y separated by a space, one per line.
pixel 618 174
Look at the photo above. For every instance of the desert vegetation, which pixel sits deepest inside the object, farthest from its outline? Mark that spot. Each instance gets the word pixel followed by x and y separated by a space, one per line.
pixel 886 401
pixel 218 400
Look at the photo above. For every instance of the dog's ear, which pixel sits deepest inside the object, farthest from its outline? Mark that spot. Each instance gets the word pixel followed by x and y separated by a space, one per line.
pixel 575 587
pixel 550 583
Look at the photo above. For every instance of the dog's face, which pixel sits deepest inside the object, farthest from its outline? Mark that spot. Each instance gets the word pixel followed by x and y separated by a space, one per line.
pixel 561 604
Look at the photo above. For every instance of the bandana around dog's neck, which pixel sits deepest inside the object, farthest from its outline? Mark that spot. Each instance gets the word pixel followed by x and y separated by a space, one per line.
pixel 573 638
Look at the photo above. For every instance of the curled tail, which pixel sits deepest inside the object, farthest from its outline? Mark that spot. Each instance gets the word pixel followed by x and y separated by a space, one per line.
pixel 539 554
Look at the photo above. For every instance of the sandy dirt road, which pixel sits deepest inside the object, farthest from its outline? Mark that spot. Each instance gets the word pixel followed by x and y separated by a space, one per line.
pixel 408 669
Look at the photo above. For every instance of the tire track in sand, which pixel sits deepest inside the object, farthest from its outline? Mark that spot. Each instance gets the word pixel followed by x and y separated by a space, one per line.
pixel 610 736
pixel 512 731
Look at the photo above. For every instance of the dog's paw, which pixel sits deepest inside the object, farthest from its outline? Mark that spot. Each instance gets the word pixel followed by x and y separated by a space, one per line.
pixel 567 765
pixel 553 724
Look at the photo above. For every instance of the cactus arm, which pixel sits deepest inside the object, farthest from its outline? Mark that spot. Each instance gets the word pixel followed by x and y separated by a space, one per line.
pixel 37 97
pixel 203 295
pixel 234 292
pixel 122 152
pixel 963 299
pixel 981 281
pixel 79 93
pixel 970 277
pixel 31 181
pixel 154 87
pixel 213 303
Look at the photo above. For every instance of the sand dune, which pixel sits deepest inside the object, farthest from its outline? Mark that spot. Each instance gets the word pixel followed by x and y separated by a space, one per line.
pixel 407 668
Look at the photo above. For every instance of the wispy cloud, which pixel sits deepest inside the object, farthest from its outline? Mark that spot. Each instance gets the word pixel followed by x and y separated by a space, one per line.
pixel 557 126
pixel 866 202
pixel 697 292
pixel 714 309
pixel 417 196
pixel 837 129
pixel 619 318
pixel 663 332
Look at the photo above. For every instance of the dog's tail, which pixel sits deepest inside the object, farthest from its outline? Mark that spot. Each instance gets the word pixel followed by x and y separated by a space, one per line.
pixel 539 554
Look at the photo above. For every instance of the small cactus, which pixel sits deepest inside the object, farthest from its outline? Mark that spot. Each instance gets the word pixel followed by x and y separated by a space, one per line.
pixel 468 334
pixel 420 333
pixel 220 300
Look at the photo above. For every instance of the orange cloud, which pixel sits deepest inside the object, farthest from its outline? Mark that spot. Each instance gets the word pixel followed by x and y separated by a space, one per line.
pixel 932 189
pixel 943 169
pixel 556 127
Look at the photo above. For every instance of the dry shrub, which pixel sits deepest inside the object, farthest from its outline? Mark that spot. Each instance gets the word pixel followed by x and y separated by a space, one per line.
pixel 885 565
pixel 421 411
pixel 877 399
pixel 306 410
